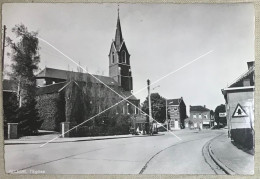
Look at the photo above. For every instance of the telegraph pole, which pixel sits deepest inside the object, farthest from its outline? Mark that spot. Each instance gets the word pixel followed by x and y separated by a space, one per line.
pixel 149 101
pixel 3 51
pixel 167 116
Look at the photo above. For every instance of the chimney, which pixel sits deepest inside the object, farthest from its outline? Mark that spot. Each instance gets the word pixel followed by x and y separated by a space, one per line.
pixel 246 82
pixel 250 64
pixel 204 106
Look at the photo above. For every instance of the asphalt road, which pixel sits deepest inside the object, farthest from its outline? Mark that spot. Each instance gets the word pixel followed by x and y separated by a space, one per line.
pixel 164 154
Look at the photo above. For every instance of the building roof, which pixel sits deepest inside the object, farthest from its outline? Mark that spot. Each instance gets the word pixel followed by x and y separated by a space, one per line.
pixel 53 88
pixel 127 94
pixel 57 87
pixel 249 74
pixel 9 85
pixel 175 102
pixel 64 74
pixel 199 108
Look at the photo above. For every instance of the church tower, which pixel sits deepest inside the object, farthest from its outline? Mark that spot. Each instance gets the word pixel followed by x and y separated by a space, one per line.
pixel 119 60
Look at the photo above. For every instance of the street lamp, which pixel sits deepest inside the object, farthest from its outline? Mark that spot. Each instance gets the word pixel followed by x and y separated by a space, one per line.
pixel 156 87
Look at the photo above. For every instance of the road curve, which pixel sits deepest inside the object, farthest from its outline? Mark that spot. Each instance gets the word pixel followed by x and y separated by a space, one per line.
pixel 187 157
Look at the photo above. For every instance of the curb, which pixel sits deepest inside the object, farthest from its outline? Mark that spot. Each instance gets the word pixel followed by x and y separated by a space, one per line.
pixel 78 140
pixel 218 162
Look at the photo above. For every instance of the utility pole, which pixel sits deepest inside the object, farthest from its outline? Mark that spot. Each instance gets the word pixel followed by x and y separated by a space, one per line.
pixel 167 116
pixel 3 51
pixel 149 101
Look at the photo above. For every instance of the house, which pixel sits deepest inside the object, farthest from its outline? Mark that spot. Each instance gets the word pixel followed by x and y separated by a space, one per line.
pixel 177 111
pixel 199 117
pixel 239 97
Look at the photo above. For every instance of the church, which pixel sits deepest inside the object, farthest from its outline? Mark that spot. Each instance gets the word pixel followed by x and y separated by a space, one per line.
pixel 74 97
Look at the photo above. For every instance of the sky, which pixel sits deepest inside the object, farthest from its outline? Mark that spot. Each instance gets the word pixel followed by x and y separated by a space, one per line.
pixel 161 38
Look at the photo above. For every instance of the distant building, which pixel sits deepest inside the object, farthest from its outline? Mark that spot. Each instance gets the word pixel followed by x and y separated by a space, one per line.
pixel 177 111
pixel 239 98
pixel 199 117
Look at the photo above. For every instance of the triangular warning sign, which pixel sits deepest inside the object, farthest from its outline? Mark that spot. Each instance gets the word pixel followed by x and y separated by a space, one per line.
pixel 239 112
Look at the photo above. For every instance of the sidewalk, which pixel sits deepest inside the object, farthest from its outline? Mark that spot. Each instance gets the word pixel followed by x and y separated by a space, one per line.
pixel 45 138
pixel 230 158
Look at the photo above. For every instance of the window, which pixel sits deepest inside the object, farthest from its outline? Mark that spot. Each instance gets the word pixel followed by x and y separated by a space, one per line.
pixel 175 108
pixel 136 110
pixel 128 108
pixel 205 116
pixel 116 110
pixel 200 116
pixel 194 116
pixel 99 108
pixel 113 57
pixel 123 57
pixel 123 109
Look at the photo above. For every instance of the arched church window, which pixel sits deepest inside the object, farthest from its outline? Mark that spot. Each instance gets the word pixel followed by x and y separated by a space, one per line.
pixel 123 57
pixel 113 57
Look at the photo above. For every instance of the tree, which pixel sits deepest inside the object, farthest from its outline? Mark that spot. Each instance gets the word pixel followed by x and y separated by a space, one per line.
pixel 220 109
pixel 25 59
pixel 211 118
pixel 158 107
pixel 10 107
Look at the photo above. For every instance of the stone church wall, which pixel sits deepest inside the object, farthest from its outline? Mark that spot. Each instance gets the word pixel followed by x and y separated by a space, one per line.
pixel 51 110
pixel 78 102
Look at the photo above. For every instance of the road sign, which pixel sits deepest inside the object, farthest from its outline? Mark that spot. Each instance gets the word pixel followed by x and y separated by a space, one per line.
pixel 222 114
pixel 239 112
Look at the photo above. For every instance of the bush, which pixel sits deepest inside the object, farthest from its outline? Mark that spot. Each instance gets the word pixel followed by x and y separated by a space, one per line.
pixel 105 125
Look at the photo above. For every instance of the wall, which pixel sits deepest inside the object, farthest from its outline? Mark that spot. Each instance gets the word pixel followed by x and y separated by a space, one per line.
pixel 197 119
pixel 174 115
pixel 78 102
pixel 84 100
pixel 246 100
pixel 183 113
pixel 241 129
pixel 51 110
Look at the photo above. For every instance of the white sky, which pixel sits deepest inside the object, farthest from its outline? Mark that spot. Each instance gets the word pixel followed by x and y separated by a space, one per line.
pixel 160 38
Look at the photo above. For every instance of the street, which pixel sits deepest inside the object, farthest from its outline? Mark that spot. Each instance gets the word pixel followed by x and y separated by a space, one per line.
pixel 139 155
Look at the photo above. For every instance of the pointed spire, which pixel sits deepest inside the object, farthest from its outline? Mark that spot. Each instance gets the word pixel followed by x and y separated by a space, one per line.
pixel 118 37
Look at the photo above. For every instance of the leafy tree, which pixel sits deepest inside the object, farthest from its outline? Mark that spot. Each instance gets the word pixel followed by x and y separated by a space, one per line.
pixel 211 116
pixel 25 59
pixel 220 109
pixel 10 107
pixel 158 107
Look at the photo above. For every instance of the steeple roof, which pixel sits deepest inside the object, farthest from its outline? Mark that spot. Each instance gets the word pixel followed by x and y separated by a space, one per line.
pixel 119 36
